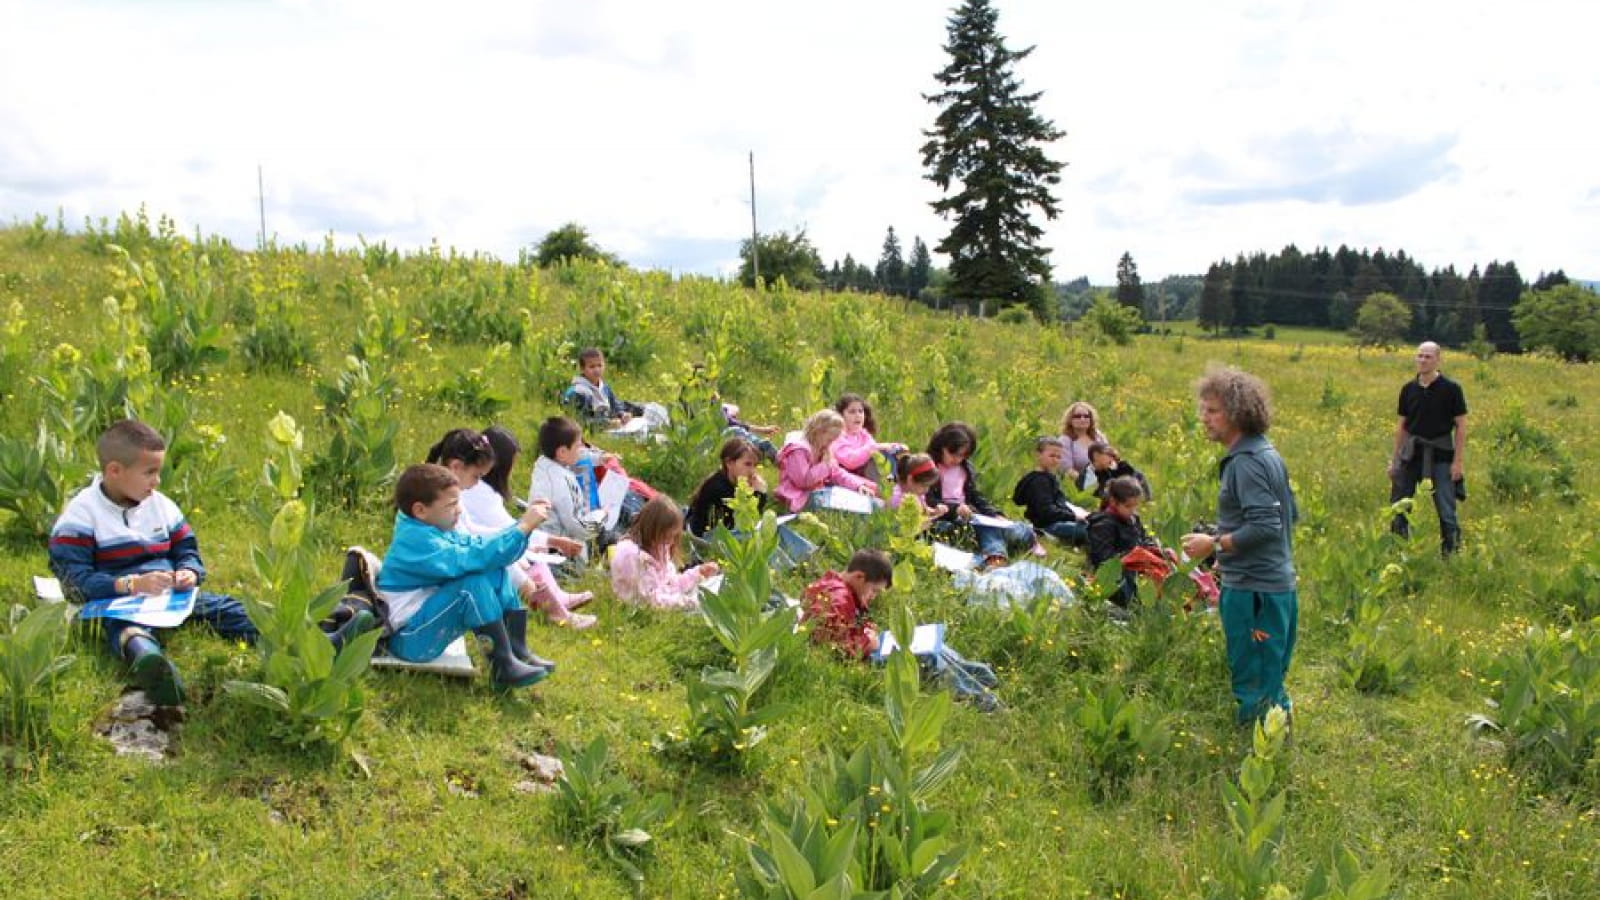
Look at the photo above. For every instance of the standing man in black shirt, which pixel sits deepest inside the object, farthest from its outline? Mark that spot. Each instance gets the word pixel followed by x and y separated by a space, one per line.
pixel 1430 441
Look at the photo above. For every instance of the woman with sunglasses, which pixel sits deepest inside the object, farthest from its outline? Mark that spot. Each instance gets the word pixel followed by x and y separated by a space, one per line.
pixel 1080 429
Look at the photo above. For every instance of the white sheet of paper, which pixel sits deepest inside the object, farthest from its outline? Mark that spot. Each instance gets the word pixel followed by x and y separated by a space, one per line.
pixel 48 589
pixel 711 585
pixel 952 559
pixel 990 521
pixel 784 520
pixel 1078 511
pixel 839 498
pixel 549 558
pixel 926 639
pixel 613 490
pixel 636 427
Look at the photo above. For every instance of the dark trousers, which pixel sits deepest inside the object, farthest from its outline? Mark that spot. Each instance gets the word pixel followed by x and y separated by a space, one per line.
pixel 1404 484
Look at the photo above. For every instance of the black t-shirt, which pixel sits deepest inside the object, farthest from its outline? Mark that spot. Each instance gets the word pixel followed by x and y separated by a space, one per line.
pixel 1430 412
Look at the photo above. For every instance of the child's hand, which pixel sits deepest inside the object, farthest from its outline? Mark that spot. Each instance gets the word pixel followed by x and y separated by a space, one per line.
pixel 150 582
pixel 869 489
pixel 939 512
pixel 708 570
pixel 184 579
pixel 964 511
pixel 625 418
pixel 535 514
pixel 565 546
pixel 756 482
pixel 871 632
pixel 607 459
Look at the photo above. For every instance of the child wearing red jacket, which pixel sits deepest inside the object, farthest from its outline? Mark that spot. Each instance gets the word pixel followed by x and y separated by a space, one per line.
pixel 836 605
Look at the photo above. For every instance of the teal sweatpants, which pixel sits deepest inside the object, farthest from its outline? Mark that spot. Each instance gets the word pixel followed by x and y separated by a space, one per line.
pixel 1260 630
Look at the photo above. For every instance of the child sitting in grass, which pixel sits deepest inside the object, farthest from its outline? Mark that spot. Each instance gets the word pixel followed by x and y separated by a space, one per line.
pixel 470 457
pixel 838 608
pixel 121 536
pixel 596 403
pixel 440 582
pixel 644 568
pixel 951 449
pixel 1039 493
pixel 807 464
pixel 560 448
pixel 914 475
pixel 856 446
pixel 1105 464
pixel 1115 530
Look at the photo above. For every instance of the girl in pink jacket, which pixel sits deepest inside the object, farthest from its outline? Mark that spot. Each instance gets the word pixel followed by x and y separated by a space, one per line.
pixel 807 464
pixel 854 447
pixel 644 568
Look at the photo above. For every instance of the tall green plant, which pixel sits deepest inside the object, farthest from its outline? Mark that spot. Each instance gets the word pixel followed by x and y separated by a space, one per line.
pixel 863 827
pixel 316 692
pixel 726 720
pixel 600 807
pixel 35 479
pixel 1120 735
pixel 1547 706
pixel 30 659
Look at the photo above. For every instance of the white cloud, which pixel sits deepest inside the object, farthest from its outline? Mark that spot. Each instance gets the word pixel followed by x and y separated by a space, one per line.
pixel 484 124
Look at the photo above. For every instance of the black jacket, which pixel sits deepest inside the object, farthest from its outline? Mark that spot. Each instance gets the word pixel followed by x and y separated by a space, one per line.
pixel 709 506
pixel 1041 495
pixel 1111 536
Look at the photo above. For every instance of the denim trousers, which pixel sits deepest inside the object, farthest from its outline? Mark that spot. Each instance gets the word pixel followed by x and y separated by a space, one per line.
pixel 1404 484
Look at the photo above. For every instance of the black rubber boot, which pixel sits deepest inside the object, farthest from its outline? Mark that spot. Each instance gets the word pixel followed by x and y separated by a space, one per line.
pixel 152 671
pixel 505 670
pixel 357 625
pixel 517 628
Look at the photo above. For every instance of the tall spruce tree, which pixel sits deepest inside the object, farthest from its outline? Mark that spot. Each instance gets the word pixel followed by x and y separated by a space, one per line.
pixel 1130 292
pixel 891 270
pixel 988 138
pixel 919 270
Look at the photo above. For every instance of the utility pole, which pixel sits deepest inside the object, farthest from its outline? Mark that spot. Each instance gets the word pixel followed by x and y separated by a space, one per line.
pixel 261 199
pixel 755 236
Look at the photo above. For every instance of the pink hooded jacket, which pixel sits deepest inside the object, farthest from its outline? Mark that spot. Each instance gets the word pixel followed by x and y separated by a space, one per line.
pixel 799 476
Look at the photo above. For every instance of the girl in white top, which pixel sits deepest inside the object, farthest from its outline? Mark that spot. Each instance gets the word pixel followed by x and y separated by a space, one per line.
pixel 472 457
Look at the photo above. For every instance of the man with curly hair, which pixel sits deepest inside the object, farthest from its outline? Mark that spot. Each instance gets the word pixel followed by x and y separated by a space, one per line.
pixel 1260 607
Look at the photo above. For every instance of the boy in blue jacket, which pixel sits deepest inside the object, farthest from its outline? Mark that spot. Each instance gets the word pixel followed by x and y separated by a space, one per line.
pixel 440 583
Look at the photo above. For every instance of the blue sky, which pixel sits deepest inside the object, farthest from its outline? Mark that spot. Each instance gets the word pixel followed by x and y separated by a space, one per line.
pixel 1456 131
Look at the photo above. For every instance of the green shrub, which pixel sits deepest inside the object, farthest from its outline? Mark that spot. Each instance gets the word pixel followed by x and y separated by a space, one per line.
pixel 599 807
pixel 30 660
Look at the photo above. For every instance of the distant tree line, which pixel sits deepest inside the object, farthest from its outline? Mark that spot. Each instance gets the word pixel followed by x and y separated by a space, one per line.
pixel 1326 289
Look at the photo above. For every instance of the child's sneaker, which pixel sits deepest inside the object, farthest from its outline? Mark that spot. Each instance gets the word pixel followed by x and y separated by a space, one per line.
pixel 578 621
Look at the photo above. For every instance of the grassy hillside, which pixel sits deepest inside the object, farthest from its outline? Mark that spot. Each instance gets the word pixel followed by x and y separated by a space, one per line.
pixel 422 800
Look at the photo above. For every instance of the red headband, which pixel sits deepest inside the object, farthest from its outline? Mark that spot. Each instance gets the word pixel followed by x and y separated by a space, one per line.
pixel 920 468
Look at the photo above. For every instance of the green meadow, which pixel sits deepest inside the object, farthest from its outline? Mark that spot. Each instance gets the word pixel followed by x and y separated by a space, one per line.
pixel 1053 796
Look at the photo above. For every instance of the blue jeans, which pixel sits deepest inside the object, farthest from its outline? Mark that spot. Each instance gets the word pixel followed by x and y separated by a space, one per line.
pixel 457 607
pixel 996 541
pixel 968 680
pixel 224 614
pixel 1404 484
pixel 991 541
pixel 1069 530
pixel 1260 628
